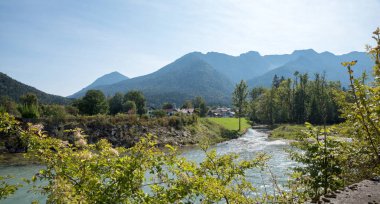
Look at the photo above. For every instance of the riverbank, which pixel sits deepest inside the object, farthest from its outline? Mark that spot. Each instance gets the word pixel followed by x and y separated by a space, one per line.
pixel 366 191
pixel 294 131
pixel 286 131
pixel 126 130
pixel 231 124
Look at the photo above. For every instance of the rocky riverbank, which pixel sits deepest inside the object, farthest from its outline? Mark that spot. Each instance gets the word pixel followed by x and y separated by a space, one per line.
pixel 366 191
pixel 127 130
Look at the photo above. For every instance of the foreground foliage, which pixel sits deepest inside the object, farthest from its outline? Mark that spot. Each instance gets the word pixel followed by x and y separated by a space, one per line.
pixel 334 158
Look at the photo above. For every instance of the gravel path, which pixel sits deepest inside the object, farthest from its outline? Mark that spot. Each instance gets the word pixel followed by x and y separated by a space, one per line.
pixel 366 191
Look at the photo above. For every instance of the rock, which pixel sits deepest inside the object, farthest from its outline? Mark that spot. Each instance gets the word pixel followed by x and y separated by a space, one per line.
pixel 377 178
pixel 326 199
pixel 330 195
pixel 353 187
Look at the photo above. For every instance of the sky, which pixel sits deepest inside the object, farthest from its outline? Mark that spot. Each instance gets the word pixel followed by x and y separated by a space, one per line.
pixel 62 46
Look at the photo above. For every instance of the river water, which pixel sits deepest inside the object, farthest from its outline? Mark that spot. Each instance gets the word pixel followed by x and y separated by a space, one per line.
pixel 246 146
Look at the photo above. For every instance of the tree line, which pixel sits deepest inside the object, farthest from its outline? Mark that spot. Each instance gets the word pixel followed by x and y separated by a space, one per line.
pixel 296 100
pixel 94 102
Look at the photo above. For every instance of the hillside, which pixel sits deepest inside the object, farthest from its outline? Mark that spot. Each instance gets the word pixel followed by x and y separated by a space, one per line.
pixel 14 89
pixel 311 62
pixel 107 79
pixel 244 66
pixel 181 80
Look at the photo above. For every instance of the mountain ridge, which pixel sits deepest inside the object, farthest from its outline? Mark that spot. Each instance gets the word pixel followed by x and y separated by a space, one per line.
pixel 188 76
pixel 107 79
pixel 256 69
pixel 14 89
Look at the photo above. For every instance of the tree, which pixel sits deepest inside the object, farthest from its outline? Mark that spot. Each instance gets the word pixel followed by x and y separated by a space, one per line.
pixel 56 113
pixel 364 112
pixel 239 99
pixel 198 101
pixel 300 99
pixel 94 102
pixel 276 81
pixel 332 163
pixel 187 104
pixel 167 106
pixel 159 113
pixel 8 105
pixel 29 106
pixel 116 104
pixel 29 99
pixel 138 98
pixel 200 106
pixel 129 107
pixel 203 109
pixel 254 94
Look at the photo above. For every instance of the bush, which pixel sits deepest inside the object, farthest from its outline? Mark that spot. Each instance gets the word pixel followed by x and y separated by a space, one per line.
pixel 176 122
pixel 159 113
pixel 56 113
pixel 29 111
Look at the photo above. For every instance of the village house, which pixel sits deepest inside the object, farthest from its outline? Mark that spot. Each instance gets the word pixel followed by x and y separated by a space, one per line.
pixel 222 112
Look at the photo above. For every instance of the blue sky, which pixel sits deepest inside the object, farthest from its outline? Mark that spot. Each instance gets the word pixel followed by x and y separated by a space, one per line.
pixel 61 46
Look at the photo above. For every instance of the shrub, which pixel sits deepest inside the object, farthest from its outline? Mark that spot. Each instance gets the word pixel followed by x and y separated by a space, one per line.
pixel 176 122
pixel 29 111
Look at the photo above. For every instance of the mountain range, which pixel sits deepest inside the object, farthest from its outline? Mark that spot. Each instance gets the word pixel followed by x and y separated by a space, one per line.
pixel 212 75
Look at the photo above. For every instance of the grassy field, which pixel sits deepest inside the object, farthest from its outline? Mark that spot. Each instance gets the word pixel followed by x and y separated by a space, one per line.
pixel 231 123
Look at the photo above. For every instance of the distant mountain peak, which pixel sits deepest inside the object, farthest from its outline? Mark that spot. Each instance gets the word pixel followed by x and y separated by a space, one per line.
pixel 251 54
pixel 304 52
pixel 114 73
pixel 327 53
pixel 107 79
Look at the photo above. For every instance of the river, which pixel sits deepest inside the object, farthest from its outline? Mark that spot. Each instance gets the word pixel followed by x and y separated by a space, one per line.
pixel 246 146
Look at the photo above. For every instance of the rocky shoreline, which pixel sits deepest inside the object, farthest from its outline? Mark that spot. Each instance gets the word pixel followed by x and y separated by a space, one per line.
pixel 126 133
pixel 366 191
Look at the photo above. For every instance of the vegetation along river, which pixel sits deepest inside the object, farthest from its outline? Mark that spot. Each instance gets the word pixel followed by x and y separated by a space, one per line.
pixel 247 146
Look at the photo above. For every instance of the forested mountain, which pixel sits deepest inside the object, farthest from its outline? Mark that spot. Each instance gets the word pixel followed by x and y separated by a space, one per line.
pixel 213 75
pixel 181 80
pixel 311 62
pixel 107 79
pixel 14 89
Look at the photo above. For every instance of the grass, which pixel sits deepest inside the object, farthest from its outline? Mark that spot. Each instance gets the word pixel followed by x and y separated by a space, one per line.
pixel 286 131
pixel 289 131
pixel 231 124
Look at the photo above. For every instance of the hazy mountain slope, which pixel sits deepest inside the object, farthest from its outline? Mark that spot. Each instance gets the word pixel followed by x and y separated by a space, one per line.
pixel 311 62
pixel 14 89
pixel 111 78
pixel 244 66
pixel 183 79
